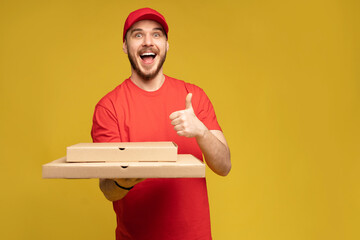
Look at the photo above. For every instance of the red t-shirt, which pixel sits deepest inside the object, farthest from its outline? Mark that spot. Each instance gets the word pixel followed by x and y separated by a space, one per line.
pixel 157 208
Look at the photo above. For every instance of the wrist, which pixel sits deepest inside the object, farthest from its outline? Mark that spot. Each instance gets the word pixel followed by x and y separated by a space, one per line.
pixel 203 131
pixel 124 188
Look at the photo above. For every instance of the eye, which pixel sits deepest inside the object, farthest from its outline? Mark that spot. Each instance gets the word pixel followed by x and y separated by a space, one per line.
pixel 156 35
pixel 138 35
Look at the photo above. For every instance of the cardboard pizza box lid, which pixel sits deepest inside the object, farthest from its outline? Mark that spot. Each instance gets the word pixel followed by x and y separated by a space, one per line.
pixel 122 152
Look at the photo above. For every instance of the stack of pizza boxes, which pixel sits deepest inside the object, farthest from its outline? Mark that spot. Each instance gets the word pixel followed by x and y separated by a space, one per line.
pixel 124 160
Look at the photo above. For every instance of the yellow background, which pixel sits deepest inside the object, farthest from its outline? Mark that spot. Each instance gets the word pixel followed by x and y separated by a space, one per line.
pixel 284 79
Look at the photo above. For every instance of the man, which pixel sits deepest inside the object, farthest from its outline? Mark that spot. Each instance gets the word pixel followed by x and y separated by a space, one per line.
pixel 150 106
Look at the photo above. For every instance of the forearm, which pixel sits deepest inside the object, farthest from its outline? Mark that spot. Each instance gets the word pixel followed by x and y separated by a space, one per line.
pixel 110 190
pixel 215 150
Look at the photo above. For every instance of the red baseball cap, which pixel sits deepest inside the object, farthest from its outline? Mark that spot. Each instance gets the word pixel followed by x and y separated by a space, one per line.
pixel 144 14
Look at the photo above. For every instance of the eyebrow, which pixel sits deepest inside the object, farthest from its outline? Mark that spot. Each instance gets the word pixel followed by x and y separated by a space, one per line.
pixel 140 29
pixel 160 29
pixel 136 30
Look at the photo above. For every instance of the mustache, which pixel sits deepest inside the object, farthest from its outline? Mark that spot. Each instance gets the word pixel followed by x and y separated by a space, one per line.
pixel 148 49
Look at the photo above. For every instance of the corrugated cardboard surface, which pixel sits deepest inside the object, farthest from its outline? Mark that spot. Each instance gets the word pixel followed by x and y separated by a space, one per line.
pixel 186 166
pixel 122 152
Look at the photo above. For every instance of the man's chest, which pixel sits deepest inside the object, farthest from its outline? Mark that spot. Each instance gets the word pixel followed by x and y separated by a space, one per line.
pixel 148 119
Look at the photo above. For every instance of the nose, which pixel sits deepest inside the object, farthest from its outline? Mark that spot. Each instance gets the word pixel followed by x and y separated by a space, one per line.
pixel 148 41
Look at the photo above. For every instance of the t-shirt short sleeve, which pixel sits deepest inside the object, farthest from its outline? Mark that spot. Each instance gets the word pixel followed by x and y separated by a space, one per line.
pixel 105 126
pixel 205 110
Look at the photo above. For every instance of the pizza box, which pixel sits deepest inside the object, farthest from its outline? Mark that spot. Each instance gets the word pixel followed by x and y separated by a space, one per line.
pixel 122 152
pixel 186 166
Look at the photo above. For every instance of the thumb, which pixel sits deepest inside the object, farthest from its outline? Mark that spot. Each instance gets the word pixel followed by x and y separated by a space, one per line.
pixel 188 104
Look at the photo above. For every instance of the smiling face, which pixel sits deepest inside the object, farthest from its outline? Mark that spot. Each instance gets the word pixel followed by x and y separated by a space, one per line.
pixel 146 46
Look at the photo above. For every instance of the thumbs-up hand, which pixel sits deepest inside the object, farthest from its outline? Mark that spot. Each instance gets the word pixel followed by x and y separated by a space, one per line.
pixel 185 121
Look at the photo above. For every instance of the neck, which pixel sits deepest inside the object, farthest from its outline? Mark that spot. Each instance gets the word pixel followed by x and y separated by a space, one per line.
pixel 149 85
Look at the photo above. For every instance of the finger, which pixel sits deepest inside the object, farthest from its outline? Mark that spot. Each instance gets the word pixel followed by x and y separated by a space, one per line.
pixel 188 104
pixel 177 121
pixel 138 180
pixel 179 128
pixel 126 180
pixel 181 133
pixel 175 115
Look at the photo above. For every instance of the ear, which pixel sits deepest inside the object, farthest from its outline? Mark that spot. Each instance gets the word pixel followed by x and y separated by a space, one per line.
pixel 125 47
pixel 167 46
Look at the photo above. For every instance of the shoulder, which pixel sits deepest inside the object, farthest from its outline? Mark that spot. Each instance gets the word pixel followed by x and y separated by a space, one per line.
pixel 190 88
pixel 114 96
pixel 200 100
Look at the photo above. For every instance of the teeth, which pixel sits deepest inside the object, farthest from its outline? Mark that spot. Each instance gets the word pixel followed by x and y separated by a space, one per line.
pixel 147 54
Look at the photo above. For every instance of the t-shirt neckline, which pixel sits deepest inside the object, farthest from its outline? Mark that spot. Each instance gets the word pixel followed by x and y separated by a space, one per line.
pixel 136 88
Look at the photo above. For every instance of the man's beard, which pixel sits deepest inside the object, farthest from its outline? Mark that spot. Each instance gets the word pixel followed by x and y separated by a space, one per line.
pixel 143 75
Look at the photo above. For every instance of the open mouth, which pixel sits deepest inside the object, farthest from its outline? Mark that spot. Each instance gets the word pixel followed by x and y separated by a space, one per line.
pixel 148 57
